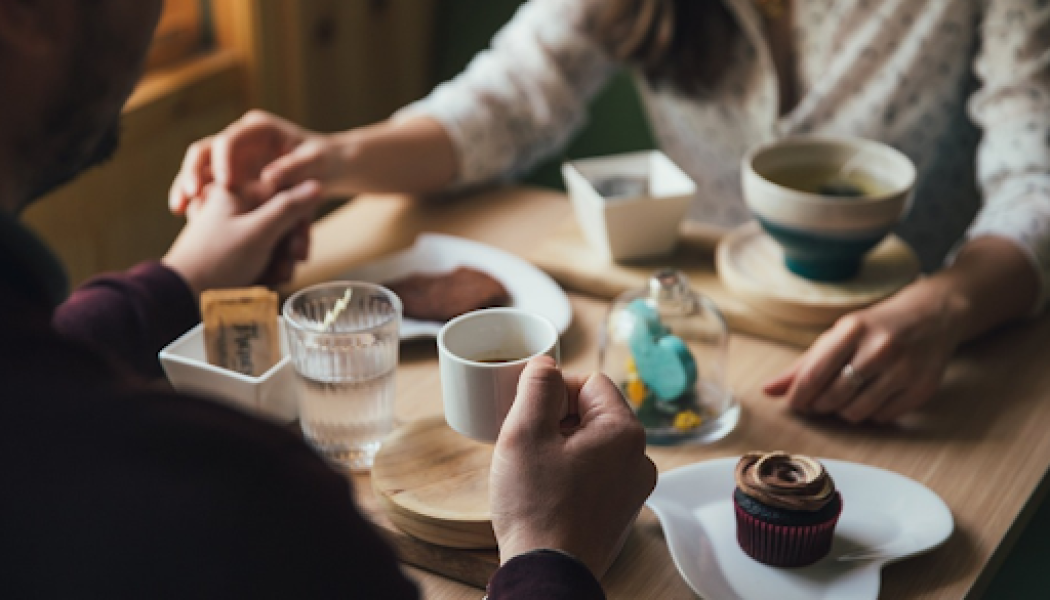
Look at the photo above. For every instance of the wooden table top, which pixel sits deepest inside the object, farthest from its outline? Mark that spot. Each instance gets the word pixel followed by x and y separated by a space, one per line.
pixel 982 444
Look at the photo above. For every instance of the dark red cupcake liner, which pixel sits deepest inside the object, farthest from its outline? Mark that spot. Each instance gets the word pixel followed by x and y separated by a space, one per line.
pixel 784 545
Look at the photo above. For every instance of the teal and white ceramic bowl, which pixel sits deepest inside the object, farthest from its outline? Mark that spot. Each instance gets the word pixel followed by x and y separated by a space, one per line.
pixel 825 237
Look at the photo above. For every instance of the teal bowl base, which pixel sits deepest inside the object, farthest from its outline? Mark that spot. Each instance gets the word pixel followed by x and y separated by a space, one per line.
pixel 828 270
pixel 823 257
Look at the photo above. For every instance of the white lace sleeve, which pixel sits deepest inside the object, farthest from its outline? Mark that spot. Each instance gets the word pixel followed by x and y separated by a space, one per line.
pixel 524 97
pixel 1013 109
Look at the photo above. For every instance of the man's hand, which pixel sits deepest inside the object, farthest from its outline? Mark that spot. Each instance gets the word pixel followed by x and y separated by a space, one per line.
pixel 232 242
pixel 559 484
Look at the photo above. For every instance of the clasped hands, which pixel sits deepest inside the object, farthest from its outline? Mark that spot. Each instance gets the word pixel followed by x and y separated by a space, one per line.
pixel 244 226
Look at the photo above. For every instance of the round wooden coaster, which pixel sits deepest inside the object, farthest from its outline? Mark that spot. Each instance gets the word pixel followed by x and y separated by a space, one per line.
pixel 751 266
pixel 433 483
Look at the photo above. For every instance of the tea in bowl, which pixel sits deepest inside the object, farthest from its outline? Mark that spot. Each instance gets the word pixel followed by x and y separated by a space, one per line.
pixel 827 201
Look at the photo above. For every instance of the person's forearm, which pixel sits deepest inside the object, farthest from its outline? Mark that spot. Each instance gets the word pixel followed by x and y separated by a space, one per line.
pixel 548 574
pixel 990 283
pixel 414 155
pixel 130 316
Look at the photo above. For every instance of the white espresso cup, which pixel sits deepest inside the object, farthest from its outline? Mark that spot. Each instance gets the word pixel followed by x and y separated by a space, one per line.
pixel 481 356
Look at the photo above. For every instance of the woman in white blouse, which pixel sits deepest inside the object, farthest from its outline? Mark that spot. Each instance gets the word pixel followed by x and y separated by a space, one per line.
pixel 717 77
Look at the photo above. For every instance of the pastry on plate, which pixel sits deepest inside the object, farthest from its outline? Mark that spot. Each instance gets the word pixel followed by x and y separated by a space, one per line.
pixel 443 296
pixel 786 508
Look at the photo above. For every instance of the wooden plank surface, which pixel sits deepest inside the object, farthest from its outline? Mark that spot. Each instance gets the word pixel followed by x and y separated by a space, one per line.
pixel 981 444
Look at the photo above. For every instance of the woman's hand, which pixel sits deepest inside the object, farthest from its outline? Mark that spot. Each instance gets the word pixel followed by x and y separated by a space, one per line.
pixel 887 360
pixel 261 154
pixel 256 157
pixel 568 486
pixel 878 363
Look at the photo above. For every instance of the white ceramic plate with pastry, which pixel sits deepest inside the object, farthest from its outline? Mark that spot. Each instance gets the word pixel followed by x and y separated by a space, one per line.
pixel 529 288
pixel 886 517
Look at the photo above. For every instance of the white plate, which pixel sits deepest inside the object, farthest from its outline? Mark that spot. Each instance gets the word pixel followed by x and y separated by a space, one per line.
pixel 529 288
pixel 885 517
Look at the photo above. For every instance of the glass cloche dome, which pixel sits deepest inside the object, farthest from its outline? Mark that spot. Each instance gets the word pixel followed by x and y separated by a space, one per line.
pixel 666 347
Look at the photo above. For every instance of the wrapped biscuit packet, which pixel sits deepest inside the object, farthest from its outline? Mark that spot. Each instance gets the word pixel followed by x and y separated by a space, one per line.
pixel 241 329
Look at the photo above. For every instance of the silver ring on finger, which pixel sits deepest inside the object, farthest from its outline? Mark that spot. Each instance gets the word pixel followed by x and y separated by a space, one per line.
pixel 854 380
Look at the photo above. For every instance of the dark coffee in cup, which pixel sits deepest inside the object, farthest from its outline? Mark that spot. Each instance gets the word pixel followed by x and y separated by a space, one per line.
pixel 495 360
pixel 481 356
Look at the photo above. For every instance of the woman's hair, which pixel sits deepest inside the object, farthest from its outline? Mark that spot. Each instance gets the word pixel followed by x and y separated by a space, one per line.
pixel 681 43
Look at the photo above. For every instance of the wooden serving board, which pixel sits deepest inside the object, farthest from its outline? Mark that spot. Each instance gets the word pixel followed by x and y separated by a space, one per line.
pixel 569 259
pixel 433 485
pixel 751 266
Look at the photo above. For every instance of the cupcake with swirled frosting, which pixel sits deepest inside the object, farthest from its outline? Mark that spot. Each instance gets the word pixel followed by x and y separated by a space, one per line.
pixel 786 508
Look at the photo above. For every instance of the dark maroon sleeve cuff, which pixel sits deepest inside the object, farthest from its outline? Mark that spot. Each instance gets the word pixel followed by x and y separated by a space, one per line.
pixel 547 574
pixel 130 316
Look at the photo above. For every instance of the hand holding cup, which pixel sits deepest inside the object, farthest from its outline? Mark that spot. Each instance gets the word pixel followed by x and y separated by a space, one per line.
pixel 576 489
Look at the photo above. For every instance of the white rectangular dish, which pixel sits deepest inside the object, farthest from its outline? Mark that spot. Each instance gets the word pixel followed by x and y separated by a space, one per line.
pixel 271 395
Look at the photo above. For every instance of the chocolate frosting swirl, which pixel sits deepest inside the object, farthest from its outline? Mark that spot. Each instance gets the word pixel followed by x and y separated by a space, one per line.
pixel 782 480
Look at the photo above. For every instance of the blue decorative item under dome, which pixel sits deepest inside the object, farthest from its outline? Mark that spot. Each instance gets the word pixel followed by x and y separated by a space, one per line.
pixel 663 361
pixel 666 347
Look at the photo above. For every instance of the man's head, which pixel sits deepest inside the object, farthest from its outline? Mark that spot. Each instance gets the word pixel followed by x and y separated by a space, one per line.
pixel 66 69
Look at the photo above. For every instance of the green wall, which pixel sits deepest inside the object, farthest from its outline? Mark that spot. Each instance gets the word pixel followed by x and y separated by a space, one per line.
pixel 616 121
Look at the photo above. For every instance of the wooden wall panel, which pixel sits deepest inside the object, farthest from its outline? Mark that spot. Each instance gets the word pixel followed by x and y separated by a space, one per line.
pixel 331 64
pixel 352 62
pixel 180 33
pixel 259 32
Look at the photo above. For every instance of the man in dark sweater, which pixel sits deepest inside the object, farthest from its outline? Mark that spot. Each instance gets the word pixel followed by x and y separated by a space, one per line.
pixel 114 489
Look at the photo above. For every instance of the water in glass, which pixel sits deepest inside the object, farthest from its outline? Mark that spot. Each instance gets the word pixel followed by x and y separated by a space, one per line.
pixel 346 369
